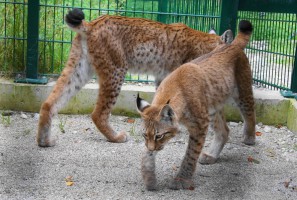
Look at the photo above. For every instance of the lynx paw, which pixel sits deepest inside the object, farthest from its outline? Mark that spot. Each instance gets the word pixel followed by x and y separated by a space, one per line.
pixel 206 159
pixel 181 183
pixel 120 138
pixel 46 143
pixel 151 186
pixel 150 180
pixel 249 140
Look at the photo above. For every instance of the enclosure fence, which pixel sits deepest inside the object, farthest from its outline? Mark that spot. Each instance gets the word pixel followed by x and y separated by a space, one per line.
pixel 35 42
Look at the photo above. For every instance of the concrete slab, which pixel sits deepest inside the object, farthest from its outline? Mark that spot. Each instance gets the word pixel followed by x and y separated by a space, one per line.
pixel 271 107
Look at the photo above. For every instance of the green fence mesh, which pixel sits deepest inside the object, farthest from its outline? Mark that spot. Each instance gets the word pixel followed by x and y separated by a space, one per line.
pixel 271 51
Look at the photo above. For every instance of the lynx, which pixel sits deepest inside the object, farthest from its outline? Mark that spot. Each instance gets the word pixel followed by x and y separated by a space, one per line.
pixel 110 46
pixel 194 95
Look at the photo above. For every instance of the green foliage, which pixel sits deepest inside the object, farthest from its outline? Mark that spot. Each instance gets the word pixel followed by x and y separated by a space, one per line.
pixel 62 123
pixel 13 27
pixel 6 120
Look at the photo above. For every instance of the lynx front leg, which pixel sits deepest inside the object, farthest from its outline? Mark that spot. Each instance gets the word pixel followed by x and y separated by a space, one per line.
pixel 220 138
pixel 109 90
pixel 148 170
pixel 183 179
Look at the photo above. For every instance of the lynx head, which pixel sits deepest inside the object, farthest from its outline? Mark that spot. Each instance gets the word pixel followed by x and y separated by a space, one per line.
pixel 160 124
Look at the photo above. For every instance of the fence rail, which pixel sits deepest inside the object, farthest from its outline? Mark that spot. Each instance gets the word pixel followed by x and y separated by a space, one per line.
pixel 34 42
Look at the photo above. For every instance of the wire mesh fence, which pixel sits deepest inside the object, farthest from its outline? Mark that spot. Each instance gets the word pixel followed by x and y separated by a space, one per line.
pixel 271 50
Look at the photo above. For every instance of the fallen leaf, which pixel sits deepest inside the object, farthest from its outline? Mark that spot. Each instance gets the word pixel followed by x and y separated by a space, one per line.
pixel 258 133
pixel 278 126
pixel 191 188
pixel 253 160
pixel 69 181
pixel 174 168
pixel 130 120
pixel 287 182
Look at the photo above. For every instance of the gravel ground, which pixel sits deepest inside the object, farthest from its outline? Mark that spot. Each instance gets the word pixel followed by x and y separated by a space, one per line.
pixel 83 165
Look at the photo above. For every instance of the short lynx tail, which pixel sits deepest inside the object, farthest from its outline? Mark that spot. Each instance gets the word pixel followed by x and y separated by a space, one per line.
pixel 245 32
pixel 74 18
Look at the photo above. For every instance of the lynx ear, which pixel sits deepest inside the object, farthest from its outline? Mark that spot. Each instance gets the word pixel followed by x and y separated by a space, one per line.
pixel 167 114
pixel 227 37
pixel 141 104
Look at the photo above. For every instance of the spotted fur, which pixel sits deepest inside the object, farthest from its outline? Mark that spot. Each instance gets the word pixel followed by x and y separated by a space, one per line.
pixel 110 46
pixel 194 95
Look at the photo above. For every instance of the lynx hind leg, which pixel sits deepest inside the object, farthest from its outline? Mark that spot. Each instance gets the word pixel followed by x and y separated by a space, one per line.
pixel 73 78
pixel 183 179
pixel 246 104
pixel 110 88
pixel 148 170
pixel 221 129
pixel 247 110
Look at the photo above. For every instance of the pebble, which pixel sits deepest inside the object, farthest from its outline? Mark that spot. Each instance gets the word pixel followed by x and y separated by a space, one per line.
pixel 36 116
pixel 233 124
pixel 24 116
pixel 267 129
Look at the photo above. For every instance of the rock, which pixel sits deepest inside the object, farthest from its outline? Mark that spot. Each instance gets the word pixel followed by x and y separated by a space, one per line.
pixel 24 116
pixel 267 129
pixel 233 124
pixel 36 116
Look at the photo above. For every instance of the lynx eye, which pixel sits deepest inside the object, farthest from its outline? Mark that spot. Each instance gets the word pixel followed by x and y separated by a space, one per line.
pixel 159 137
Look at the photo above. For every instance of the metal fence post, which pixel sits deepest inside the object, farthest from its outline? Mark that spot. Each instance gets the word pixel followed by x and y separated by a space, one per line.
pixel 228 15
pixel 32 45
pixel 162 8
pixel 293 92
pixel 294 75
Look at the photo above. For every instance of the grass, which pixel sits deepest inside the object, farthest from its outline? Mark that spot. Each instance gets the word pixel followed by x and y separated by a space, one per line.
pixel 62 123
pixel 6 120
pixel 133 133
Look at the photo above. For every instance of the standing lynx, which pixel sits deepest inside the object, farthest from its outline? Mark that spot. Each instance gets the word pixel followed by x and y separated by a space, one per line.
pixel 112 45
pixel 194 95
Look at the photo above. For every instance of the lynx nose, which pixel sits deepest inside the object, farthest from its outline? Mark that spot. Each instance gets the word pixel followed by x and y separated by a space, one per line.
pixel 151 146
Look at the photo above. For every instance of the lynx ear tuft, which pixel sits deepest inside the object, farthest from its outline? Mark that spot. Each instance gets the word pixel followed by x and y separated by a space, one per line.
pixel 141 104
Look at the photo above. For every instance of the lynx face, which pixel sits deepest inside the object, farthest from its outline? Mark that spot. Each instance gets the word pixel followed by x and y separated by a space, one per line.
pixel 159 130
pixel 160 125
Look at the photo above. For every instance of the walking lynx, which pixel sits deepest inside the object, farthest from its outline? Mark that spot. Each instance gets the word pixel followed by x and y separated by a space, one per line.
pixel 194 95
pixel 110 46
